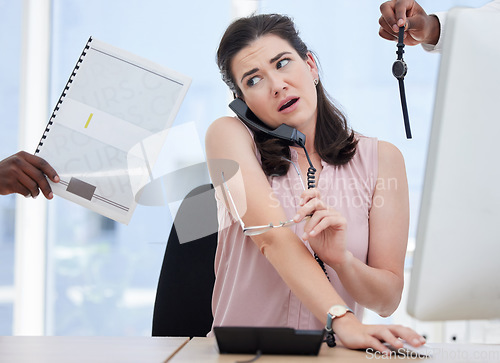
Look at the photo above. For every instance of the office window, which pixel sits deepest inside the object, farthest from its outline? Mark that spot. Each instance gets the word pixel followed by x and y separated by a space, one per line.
pixel 102 275
pixel 10 38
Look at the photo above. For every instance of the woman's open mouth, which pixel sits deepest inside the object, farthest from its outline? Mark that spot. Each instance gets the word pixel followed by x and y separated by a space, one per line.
pixel 288 104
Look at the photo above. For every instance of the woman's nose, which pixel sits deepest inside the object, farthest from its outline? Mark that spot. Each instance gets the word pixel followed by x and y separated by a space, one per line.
pixel 278 85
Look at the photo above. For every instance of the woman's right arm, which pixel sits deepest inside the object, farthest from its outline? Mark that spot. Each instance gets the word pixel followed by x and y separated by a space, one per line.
pixel 228 143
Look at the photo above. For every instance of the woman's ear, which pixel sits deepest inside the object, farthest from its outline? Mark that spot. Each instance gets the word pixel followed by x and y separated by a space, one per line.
pixel 311 62
pixel 238 94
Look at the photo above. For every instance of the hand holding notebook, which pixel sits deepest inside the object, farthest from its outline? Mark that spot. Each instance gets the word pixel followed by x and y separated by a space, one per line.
pixel 108 128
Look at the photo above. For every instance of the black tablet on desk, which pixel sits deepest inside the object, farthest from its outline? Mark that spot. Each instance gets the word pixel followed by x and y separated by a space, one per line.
pixel 268 340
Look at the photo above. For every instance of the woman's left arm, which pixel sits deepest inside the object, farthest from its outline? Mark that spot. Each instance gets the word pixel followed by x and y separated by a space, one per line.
pixel 377 284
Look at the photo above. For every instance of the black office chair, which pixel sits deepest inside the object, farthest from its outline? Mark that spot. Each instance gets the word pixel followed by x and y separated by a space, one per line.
pixel 184 294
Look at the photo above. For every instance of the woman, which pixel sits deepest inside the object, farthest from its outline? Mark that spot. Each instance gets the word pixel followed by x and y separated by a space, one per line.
pixel 355 220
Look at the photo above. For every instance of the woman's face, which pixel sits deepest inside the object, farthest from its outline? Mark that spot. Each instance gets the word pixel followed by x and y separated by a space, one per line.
pixel 276 83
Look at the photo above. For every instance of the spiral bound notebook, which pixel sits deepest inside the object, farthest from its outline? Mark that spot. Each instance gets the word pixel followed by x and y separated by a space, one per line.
pixel 108 127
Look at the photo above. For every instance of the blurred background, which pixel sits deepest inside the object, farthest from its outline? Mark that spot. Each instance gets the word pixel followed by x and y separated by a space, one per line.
pixel 65 270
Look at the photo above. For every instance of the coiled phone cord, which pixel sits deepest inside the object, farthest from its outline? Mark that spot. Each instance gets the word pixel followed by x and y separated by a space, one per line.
pixel 311 183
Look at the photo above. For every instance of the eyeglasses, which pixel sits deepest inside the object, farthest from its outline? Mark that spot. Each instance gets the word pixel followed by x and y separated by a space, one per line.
pixel 256 230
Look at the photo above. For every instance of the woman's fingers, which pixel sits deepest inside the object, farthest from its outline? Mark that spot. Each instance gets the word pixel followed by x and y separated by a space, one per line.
pixel 323 219
pixel 310 202
pixel 375 336
pixel 309 194
pixel 407 334
pixel 385 335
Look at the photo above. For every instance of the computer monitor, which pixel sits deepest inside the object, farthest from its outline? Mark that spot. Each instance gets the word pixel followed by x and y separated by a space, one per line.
pixel 456 262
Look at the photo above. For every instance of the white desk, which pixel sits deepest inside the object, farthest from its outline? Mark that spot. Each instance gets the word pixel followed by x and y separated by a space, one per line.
pixel 200 350
pixel 20 349
pixel 203 350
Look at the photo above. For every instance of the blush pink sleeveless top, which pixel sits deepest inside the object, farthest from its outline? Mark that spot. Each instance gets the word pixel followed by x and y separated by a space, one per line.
pixel 248 291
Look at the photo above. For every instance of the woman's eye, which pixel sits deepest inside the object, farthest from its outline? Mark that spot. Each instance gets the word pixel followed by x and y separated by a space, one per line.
pixel 253 81
pixel 282 63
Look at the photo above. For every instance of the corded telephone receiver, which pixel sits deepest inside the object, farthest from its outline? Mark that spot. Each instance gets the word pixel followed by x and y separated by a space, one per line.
pixel 284 132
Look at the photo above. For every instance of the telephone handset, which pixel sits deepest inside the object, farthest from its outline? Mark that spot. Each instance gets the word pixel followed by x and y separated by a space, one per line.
pixel 284 132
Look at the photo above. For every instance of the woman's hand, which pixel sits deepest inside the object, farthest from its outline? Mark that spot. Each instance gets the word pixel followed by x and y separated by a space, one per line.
pixel 355 335
pixel 325 230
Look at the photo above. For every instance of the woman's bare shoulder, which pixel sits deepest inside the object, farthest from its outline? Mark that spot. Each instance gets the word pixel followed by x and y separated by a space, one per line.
pixel 389 155
pixel 226 134
pixel 224 126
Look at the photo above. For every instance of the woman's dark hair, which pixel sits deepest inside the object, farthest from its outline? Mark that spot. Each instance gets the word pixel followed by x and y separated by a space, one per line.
pixel 334 141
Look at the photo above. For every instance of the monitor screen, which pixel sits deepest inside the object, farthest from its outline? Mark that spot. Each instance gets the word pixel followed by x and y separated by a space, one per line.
pixel 456 263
